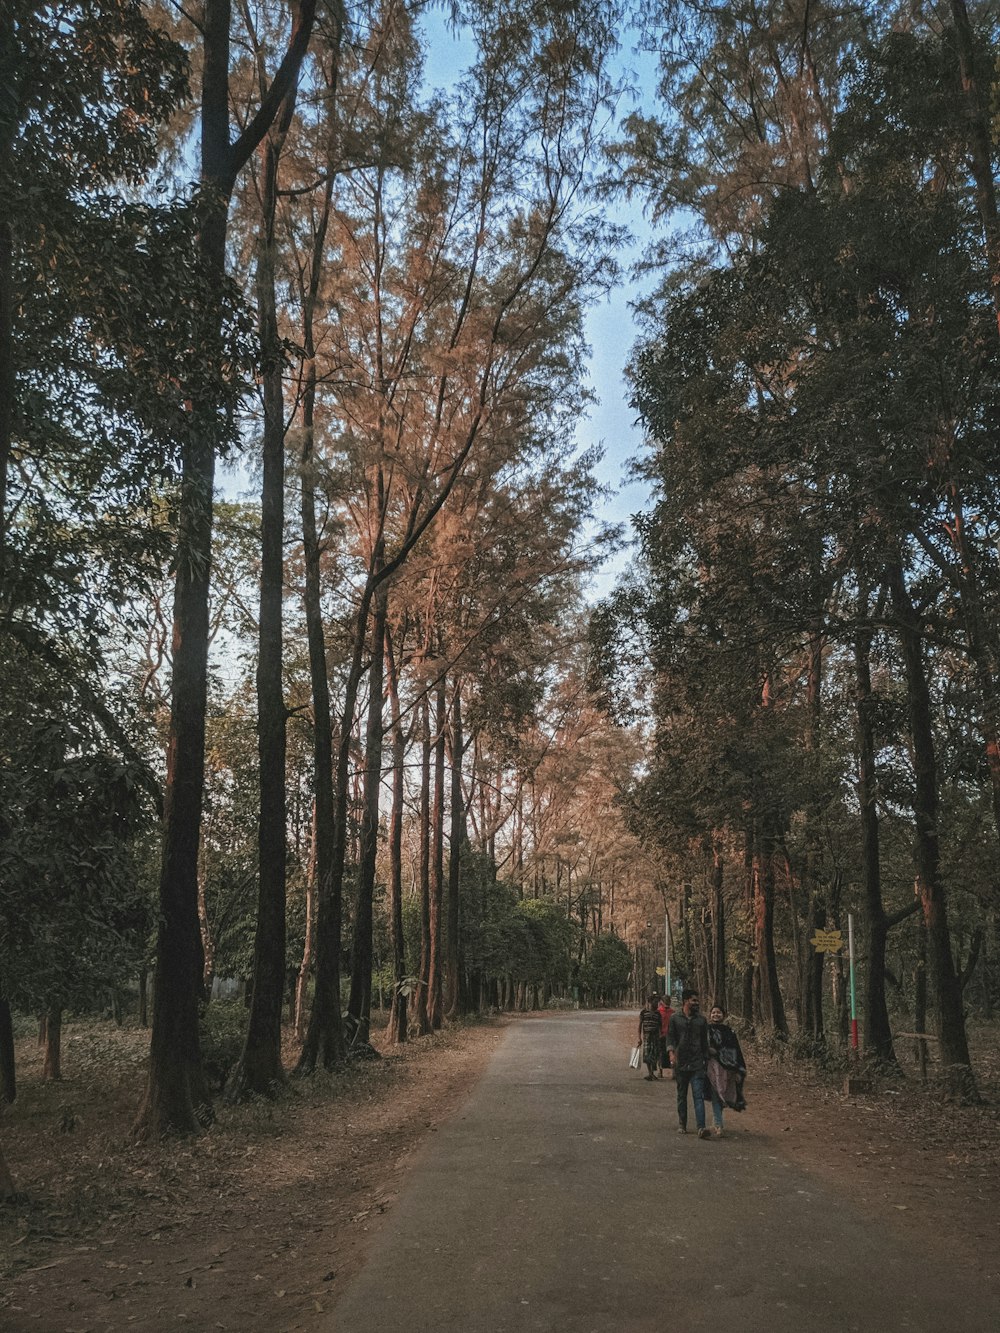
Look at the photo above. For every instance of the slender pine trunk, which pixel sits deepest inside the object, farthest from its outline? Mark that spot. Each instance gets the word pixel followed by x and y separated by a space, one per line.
pixel 52 1063
pixel 421 1007
pixel 396 1028
pixel 434 998
pixel 453 997
pixel 877 1031
pixel 771 1007
pixel 260 1069
pixel 308 945
pixel 323 1042
pixel 361 957
pixel 718 909
pixel 930 884
pixel 8 1071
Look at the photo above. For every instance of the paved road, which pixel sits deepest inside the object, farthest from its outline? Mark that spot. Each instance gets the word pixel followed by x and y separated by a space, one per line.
pixel 561 1198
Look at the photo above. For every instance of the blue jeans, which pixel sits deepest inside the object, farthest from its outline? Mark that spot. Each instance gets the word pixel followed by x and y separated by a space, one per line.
pixel 696 1081
pixel 717 1109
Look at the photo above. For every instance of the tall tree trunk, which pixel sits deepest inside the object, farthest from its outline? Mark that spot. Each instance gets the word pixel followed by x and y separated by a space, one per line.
pixel 771 1006
pixel 207 940
pixel 396 1028
pixel 977 114
pixel 305 967
pixel 453 997
pixel 982 646
pixel 930 885
pixel 920 997
pixel 52 1064
pixel 718 907
pixel 7 1190
pixel 749 880
pixel 877 1031
pixel 11 79
pixel 434 998
pixel 421 1007
pixel 980 144
pixel 810 998
pixel 260 1070
pixel 519 837
pixel 812 1011
pixel 176 1081
pixel 361 956
pixel 8 1072
pixel 324 1037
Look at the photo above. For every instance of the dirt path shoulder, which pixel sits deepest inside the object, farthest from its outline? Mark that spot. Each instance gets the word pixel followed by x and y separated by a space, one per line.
pixel 255 1225
pixel 925 1166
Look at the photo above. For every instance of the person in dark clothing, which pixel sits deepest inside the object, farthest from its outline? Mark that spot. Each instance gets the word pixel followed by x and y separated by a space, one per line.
pixel 687 1040
pixel 649 1036
pixel 726 1067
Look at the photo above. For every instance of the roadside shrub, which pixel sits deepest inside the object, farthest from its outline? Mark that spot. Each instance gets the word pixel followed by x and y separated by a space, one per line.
pixel 223 1030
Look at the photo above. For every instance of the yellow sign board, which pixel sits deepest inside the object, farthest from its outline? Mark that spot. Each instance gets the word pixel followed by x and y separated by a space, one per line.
pixel 827 941
pixel 661 971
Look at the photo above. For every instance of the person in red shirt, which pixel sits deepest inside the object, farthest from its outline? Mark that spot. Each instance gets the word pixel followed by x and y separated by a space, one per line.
pixel 665 1015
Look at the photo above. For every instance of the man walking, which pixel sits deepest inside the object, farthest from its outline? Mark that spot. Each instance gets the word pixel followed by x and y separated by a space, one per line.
pixel 687 1038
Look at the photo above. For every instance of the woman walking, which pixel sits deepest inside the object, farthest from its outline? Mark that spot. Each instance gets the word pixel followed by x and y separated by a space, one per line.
pixel 726 1067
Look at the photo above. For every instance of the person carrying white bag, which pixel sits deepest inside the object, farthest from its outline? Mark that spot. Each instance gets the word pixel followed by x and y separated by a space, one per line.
pixel 649 1037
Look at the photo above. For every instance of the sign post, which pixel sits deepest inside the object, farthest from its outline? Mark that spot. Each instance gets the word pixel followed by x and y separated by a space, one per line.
pixel 827 941
pixel 666 954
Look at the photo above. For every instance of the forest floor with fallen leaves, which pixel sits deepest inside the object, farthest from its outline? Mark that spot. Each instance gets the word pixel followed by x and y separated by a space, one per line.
pixel 258 1223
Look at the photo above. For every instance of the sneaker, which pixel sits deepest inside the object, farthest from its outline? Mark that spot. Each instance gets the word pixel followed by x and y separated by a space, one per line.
pixel 682 1129
pixel 718 1131
pixel 704 1134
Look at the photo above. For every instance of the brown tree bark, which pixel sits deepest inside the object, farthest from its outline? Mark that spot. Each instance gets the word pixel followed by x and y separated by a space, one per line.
pixel 260 1070
pixel 207 939
pixel 812 1009
pixel 361 956
pixel 7 1190
pixel 52 1063
pixel 810 970
pixel 176 1079
pixel 453 999
pixel 771 1009
pixel 877 1033
pixel 718 918
pixel 324 1037
pixel 747 980
pixel 980 144
pixel 421 1008
pixel 396 1027
pixel 920 997
pixel 305 967
pixel 434 993
pixel 10 81
pixel 8 1071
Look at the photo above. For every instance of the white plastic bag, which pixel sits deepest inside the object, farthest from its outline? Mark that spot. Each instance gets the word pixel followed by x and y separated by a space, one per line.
pixel 633 1061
